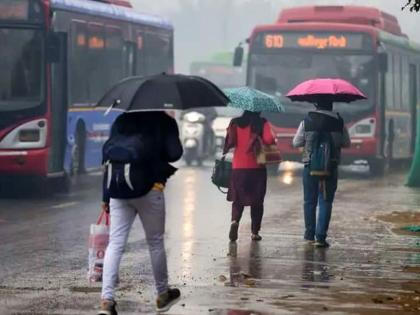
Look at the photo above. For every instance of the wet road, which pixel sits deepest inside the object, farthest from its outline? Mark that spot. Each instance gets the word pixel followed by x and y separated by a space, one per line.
pixel 367 270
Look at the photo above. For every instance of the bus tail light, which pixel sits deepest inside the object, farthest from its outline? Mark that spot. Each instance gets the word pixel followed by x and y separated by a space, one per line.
pixel 363 129
pixel 30 135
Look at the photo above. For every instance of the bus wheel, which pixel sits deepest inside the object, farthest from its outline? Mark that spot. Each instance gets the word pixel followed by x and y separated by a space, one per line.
pixel 188 161
pixel 78 153
pixel 273 170
pixel 377 167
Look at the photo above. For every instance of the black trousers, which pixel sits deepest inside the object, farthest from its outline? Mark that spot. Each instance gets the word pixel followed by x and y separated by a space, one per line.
pixel 257 213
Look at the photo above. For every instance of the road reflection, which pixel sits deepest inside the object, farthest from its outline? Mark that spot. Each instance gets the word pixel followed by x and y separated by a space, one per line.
pixel 315 269
pixel 189 204
pixel 245 269
pixel 289 171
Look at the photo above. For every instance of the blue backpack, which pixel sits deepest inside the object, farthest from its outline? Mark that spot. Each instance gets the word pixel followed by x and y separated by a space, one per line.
pixel 129 170
pixel 322 159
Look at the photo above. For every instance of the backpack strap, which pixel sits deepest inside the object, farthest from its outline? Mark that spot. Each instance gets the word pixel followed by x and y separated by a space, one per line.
pixel 108 166
pixel 341 121
pixel 127 168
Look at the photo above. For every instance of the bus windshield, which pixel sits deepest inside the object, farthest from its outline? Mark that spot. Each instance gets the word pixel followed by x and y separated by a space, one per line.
pixel 21 68
pixel 277 74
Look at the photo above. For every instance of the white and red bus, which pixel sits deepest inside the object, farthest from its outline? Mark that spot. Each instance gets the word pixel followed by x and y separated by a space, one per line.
pixel 360 44
pixel 57 57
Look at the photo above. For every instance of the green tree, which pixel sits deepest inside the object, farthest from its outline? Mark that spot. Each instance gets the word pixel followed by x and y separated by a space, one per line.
pixel 413 5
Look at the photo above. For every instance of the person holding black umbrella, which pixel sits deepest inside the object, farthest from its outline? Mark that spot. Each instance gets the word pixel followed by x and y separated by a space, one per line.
pixel 143 141
pixel 136 159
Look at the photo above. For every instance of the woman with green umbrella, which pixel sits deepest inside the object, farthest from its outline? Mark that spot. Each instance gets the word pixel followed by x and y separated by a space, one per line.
pixel 244 135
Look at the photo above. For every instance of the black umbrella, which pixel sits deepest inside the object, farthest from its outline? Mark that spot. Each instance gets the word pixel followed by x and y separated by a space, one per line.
pixel 163 92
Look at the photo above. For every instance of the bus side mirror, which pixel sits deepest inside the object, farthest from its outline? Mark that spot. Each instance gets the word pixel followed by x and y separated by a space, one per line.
pixel 383 62
pixel 238 56
pixel 53 47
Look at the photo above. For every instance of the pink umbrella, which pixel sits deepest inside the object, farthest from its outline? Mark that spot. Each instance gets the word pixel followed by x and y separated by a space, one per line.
pixel 335 90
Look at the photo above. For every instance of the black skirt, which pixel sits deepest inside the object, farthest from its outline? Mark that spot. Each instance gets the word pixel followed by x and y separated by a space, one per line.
pixel 248 186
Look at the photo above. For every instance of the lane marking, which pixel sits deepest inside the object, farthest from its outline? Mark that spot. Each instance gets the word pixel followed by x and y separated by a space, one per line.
pixel 65 205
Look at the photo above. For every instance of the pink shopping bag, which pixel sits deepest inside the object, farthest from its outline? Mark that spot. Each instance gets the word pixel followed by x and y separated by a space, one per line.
pixel 98 241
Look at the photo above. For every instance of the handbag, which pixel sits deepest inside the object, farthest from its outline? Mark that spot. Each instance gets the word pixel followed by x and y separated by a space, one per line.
pixel 222 172
pixel 268 155
pixel 98 241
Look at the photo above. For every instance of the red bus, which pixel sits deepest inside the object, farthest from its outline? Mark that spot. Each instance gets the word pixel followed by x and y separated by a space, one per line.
pixel 57 58
pixel 360 44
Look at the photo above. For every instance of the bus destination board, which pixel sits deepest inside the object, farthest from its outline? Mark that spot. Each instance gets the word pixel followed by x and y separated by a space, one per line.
pixel 319 41
pixel 14 9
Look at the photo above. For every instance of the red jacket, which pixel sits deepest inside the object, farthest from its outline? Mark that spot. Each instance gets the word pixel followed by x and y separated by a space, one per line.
pixel 241 140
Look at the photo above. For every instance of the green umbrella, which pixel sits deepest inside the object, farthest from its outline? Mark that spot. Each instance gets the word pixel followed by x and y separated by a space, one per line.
pixel 252 100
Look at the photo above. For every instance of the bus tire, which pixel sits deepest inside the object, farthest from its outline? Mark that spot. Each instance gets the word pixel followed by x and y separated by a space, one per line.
pixel 273 170
pixel 77 165
pixel 377 167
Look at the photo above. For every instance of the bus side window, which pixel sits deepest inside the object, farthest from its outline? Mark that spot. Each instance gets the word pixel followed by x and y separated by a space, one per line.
pixel 405 83
pixel 115 65
pixel 397 81
pixel 97 68
pixel 158 51
pixel 78 63
pixel 389 83
pixel 140 56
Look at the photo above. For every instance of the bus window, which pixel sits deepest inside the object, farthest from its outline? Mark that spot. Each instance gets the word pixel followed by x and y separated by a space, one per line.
pixel 157 49
pixel 389 83
pixel 114 56
pixel 405 83
pixel 21 57
pixel 97 67
pixel 78 64
pixel 140 56
pixel 397 81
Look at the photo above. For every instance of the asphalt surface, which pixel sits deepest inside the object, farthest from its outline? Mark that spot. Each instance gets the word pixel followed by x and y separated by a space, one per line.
pixel 369 269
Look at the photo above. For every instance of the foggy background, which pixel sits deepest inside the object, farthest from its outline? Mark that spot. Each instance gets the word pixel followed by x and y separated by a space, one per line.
pixel 205 27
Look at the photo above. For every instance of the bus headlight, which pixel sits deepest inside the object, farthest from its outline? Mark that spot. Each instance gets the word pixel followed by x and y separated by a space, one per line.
pixel 363 129
pixel 29 135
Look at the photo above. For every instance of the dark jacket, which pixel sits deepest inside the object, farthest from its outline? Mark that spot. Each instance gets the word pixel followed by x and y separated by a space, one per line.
pixel 321 120
pixel 162 131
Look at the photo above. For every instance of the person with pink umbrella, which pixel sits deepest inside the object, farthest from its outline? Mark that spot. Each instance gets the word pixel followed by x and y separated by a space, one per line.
pixel 322 134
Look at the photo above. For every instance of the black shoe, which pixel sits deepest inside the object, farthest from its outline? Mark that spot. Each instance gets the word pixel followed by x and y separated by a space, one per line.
pixel 322 244
pixel 233 234
pixel 108 308
pixel 256 237
pixel 166 300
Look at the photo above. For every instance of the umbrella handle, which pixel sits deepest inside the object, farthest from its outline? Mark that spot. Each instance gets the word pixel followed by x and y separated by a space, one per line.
pixel 116 102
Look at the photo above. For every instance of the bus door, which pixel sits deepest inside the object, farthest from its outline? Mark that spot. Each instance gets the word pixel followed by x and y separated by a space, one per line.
pixel 413 105
pixel 59 108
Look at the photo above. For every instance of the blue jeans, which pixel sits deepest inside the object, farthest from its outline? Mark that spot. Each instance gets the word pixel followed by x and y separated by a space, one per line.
pixel 313 196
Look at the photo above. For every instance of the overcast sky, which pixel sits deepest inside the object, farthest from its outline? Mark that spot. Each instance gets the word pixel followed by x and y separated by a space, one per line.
pixel 204 27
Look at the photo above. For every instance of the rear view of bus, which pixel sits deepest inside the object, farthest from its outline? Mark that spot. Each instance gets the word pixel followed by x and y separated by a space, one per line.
pixel 348 42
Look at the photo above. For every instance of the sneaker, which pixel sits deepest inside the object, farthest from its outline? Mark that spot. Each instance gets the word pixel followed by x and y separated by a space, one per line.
pixel 321 244
pixel 166 300
pixel 233 233
pixel 108 308
pixel 256 237
pixel 309 242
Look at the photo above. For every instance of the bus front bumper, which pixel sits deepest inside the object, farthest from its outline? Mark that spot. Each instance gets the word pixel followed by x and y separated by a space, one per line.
pixel 361 149
pixel 24 162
